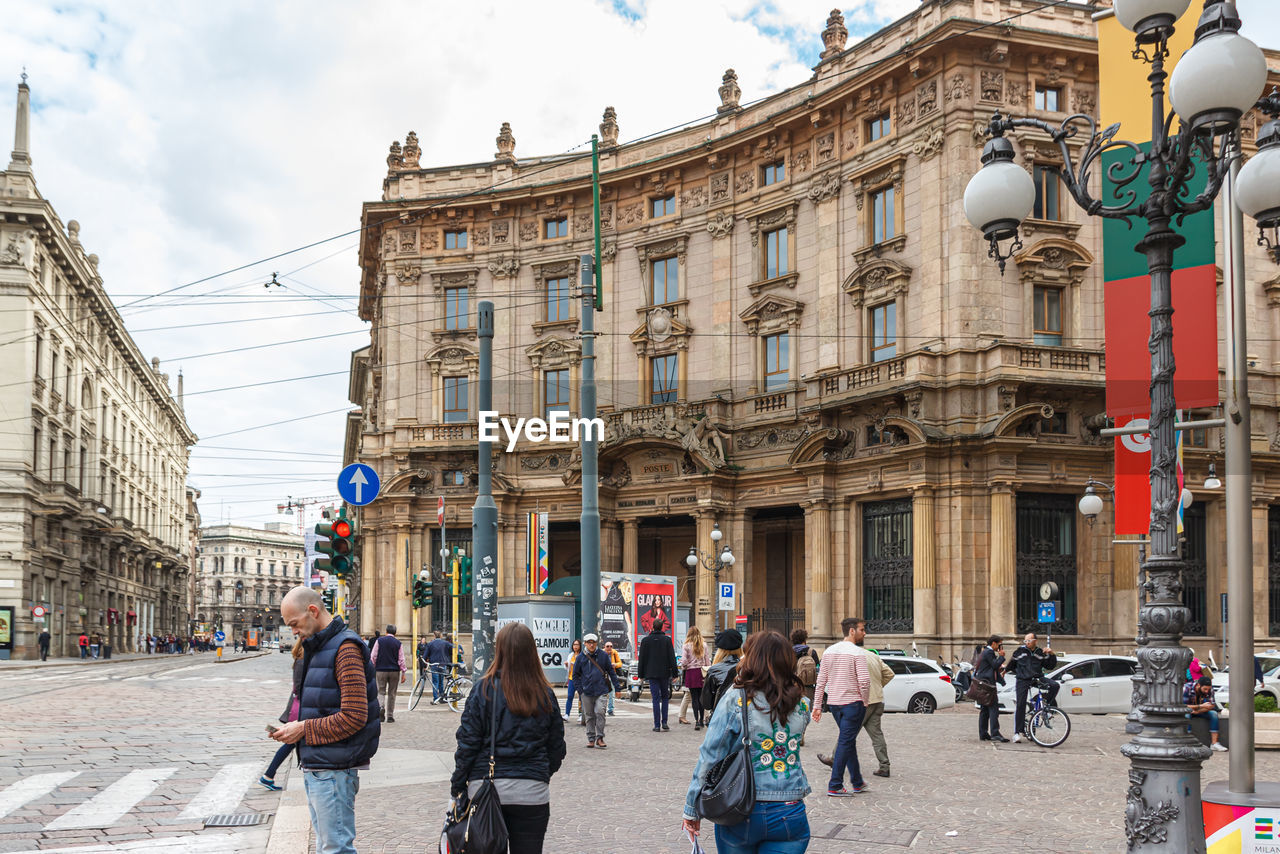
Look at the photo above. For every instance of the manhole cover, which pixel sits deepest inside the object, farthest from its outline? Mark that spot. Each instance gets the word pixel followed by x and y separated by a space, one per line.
pixel 239 820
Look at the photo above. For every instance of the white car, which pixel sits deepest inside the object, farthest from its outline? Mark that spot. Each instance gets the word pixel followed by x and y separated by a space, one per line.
pixel 919 686
pixel 1270 660
pixel 1091 684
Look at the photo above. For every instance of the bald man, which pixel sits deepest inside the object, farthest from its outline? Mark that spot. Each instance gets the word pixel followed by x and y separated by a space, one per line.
pixel 337 724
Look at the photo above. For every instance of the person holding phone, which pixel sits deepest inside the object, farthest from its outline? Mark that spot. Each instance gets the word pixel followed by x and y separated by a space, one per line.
pixel 991 669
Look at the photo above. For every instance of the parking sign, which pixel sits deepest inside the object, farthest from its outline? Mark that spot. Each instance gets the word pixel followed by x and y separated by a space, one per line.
pixel 727 595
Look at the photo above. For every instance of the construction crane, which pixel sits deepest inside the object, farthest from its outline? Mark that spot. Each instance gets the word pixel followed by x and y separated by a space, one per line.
pixel 301 504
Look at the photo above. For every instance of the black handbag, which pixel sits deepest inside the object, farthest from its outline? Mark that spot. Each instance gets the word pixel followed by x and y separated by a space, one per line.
pixel 476 825
pixel 729 792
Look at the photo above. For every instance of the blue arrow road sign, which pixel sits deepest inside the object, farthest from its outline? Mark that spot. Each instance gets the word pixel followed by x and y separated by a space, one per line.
pixel 358 484
pixel 1046 612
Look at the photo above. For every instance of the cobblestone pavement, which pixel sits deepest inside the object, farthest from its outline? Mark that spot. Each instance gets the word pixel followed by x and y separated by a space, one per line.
pixel 132 754
pixel 628 799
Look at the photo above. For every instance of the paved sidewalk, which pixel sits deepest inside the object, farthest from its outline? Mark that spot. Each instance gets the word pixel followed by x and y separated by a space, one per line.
pixel 198 657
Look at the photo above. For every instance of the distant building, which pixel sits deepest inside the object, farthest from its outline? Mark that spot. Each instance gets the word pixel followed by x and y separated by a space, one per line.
pixel 242 575
pixel 93 505
pixel 803 341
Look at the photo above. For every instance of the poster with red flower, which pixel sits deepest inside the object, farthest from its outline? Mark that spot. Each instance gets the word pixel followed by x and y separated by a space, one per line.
pixel 653 602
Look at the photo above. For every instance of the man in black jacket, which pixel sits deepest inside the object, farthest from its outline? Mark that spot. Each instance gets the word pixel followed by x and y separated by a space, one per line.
pixel 1028 664
pixel 658 665
pixel 594 677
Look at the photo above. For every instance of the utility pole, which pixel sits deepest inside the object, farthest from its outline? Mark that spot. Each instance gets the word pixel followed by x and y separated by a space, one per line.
pixel 484 515
pixel 590 521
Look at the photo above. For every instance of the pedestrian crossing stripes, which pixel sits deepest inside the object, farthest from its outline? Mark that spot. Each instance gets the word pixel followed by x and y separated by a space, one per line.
pixel 106 807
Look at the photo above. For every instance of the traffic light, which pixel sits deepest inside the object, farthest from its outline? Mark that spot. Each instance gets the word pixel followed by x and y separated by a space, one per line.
pixel 464 579
pixel 330 599
pixel 335 540
pixel 421 593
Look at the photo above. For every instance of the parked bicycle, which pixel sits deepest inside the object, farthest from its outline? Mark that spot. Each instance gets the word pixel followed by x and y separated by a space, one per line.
pixel 1047 726
pixel 457 686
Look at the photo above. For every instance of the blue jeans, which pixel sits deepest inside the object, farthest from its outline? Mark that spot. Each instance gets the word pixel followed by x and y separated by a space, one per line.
pixel 331 797
pixel 660 692
pixel 437 681
pixel 282 753
pixel 774 827
pixel 849 718
pixel 1213 719
pixel 568 704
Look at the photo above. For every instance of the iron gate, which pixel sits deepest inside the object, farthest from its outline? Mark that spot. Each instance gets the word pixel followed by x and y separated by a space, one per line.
pixel 1273 569
pixel 887 566
pixel 1046 551
pixel 1195 593
pixel 778 619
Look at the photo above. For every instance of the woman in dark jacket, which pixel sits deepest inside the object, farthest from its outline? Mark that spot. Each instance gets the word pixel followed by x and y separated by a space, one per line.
pixel 528 744
pixel 991 669
pixel 290 713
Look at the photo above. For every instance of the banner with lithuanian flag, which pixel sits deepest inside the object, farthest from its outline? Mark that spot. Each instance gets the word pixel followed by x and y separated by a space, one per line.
pixel 1125 98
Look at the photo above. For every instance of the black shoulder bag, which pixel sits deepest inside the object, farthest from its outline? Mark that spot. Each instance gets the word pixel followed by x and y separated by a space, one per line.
pixel 476 826
pixel 729 792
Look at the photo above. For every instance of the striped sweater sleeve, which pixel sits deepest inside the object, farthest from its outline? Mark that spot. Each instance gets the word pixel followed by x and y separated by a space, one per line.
pixel 354 711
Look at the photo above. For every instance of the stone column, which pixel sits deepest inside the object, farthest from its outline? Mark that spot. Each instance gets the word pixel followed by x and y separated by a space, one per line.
pixel 829 244
pixel 368 579
pixel 1261 551
pixel 854 603
pixel 403 601
pixel 630 545
pixel 924 562
pixel 739 537
pixel 817 530
pixel 1002 600
pixel 723 313
pixel 704 598
pixel 610 545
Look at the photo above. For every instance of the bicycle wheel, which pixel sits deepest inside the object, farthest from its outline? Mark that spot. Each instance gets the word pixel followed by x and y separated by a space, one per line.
pixel 1049 727
pixel 417 691
pixel 459 691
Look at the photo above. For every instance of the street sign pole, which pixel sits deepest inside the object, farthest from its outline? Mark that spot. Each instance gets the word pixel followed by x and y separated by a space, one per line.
pixel 484 515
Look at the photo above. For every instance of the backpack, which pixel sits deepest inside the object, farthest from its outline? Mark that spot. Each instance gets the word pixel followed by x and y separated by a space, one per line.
pixel 807 670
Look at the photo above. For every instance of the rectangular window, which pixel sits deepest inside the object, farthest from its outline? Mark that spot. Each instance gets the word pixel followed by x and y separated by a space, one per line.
pixel 35 451
pixel 455 308
pixel 665 278
pixel 1048 315
pixel 775 253
pixel 884 331
pixel 454 477
pixel 455 239
pixel 773 173
pixel 878 127
pixel 555 392
pixel 666 380
pixel 557 227
pixel 777 361
pixel 39 353
pixel 1048 98
pixel 662 206
pixel 1048 194
pixel 557 299
pixel 883 218
pixel 455 399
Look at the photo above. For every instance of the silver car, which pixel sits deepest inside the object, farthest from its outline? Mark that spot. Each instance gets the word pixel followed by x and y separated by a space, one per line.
pixel 1091 684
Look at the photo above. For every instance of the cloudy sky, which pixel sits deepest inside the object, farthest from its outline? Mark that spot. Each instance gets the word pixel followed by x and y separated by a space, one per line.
pixel 190 139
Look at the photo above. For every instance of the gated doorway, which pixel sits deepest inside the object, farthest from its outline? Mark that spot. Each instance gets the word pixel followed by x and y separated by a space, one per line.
pixel 887 566
pixel 1195 594
pixel 1046 551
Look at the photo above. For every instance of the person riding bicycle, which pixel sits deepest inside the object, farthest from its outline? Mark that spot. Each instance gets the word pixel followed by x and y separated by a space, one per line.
pixel 1028 664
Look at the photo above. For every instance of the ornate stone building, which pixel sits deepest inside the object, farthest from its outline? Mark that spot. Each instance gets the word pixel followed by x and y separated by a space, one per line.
pixel 93 508
pixel 243 573
pixel 803 341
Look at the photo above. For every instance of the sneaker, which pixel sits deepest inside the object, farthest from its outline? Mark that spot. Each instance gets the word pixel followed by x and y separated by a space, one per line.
pixel 269 784
pixel 1017 737
pixel 826 759
pixel 858 790
pixel 841 792
pixel 1219 748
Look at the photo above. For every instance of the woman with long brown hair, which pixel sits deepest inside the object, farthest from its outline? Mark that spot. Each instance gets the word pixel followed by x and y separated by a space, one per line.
pixel 528 740
pixel 777 714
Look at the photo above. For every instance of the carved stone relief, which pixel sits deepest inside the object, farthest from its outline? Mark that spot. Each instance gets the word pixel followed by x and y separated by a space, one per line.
pixel 528 231
pixel 1017 93
pixel 720 225
pixel 1084 101
pixel 800 163
pixel 504 268
pixel 745 182
pixel 631 214
pixel 694 197
pixel 720 187
pixel 959 87
pixel 926 99
pixel 906 112
pixel 408 240
pixel 824 186
pixel 992 85
pixel 500 231
pixel 826 146
pixel 928 143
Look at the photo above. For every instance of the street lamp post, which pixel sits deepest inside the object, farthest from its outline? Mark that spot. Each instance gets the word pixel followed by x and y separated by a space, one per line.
pixel 713 562
pixel 1216 81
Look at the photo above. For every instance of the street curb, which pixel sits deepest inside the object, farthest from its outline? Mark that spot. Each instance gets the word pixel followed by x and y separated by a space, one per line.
pixel 291 828
pixel 77 662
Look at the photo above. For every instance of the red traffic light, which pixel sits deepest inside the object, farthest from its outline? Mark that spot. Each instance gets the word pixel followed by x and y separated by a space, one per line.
pixel 342 528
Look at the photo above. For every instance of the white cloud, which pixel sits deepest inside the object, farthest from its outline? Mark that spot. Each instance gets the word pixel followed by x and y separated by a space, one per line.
pixel 190 138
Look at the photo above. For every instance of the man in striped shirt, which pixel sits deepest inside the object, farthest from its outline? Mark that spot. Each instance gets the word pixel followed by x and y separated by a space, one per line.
pixel 845 679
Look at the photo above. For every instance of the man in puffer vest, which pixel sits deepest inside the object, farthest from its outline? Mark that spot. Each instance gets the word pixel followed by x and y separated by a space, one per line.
pixel 337 724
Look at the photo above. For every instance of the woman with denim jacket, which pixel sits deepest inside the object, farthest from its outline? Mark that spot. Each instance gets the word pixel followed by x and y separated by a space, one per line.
pixel 777 714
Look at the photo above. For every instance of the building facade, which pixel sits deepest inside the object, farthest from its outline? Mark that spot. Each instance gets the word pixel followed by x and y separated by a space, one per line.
pixel 93 507
pixel 242 575
pixel 803 342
